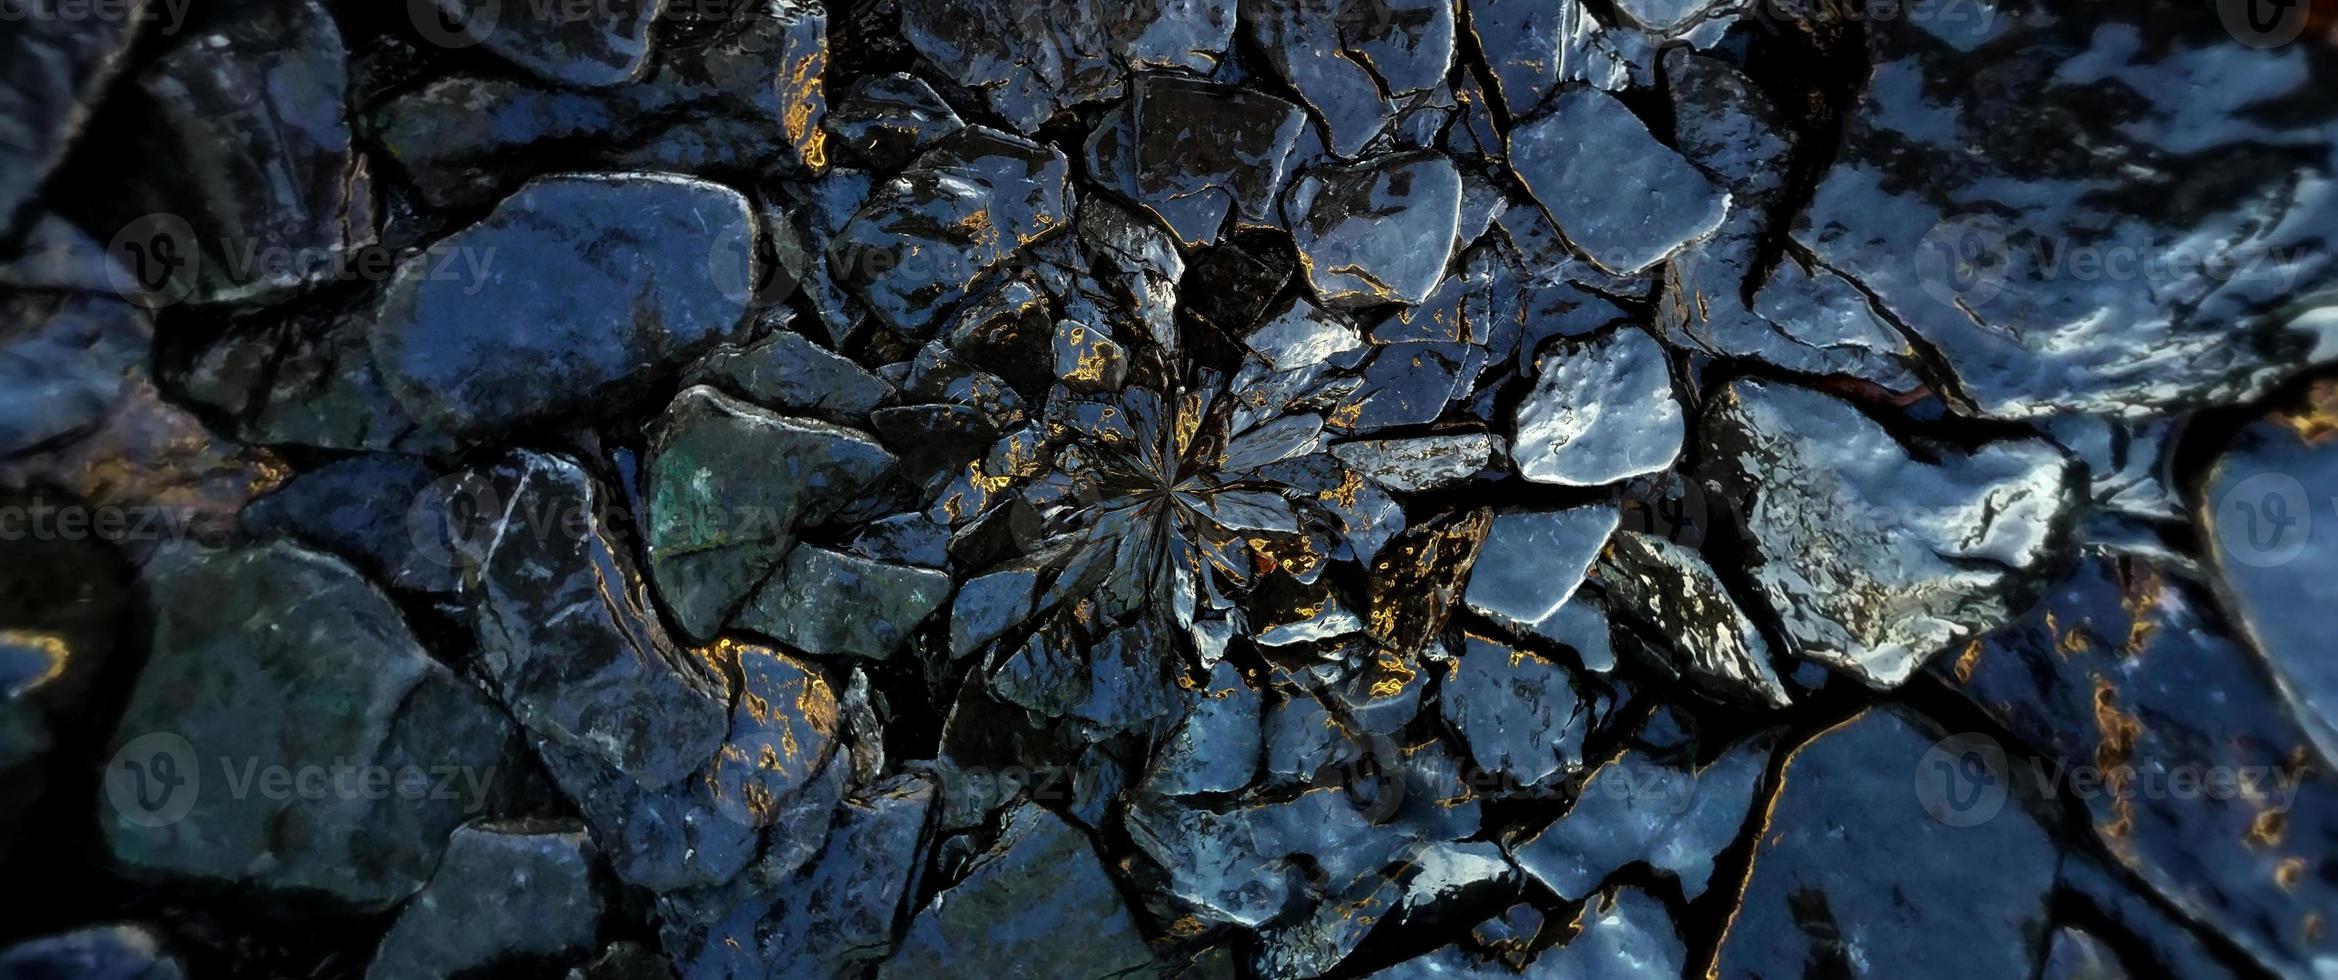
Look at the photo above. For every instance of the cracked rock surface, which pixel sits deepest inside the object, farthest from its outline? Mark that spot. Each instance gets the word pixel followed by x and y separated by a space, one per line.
pixel 1182 489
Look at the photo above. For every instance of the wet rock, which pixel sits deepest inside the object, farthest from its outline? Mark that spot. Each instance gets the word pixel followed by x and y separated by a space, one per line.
pixel 1421 463
pixel 605 44
pixel 1520 715
pixel 2274 555
pixel 2078 955
pixel 566 631
pixel 787 372
pixel 377 512
pixel 825 603
pixel 251 107
pixel 1533 560
pixel 502 892
pixel 1602 410
pixel 884 121
pixel 1236 867
pixel 1354 61
pixel 1376 232
pixel 308 379
pixel 1193 154
pixel 1534 47
pixel 707 107
pixel 1705 636
pixel 158 464
pixel 1086 359
pixel 729 487
pixel 1639 807
pixel 1802 316
pixel 70 349
pixel 2042 290
pixel 2207 790
pixel 274 656
pixel 1624 199
pixel 58 67
pixel 1873 557
pixel 1217 748
pixel 1039 895
pixel 1031 61
pixel 657 271
pixel 925 238
pixel 1627 932
pixel 844 911
pixel 99 953
pixel 1844 809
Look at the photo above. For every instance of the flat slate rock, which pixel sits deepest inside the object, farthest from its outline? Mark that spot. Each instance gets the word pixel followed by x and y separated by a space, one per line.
pixel 604 44
pixel 1036 903
pixel 503 892
pixel 1376 232
pixel 1625 199
pixel 1873 554
pixel 1352 61
pixel 1602 410
pixel 1703 634
pixel 1029 61
pixel 1195 154
pixel 641 258
pixel 1533 560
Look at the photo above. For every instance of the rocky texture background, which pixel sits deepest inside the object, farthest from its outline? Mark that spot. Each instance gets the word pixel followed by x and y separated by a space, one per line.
pixel 1212 488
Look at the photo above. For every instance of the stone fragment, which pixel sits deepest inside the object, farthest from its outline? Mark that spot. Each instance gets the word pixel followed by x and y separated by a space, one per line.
pixel 1354 61
pixel 1376 232
pixel 1845 810
pixel 1640 807
pixel 925 238
pixel 1533 560
pixel 1029 61
pixel 885 121
pixel 1193 154
pixel 1706 637
pixel 1218 746
pixel 57 68
pixel 603 44
pixel 71 348
pixel 655 270
pixel 95 953
pixel 273 656
pixel 1039 895
pixel 2046 282
pixel 1521 716
pixel 826 603
pixel 787 372
pixel 1421 463
pixel 1876 555
pixel 566 631
pixel 502 892
pixel 1624 199
pixel 1602 410
pixel 378 512
pixel 729 487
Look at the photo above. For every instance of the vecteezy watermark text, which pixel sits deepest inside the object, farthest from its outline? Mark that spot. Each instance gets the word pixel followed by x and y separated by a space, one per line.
pixel 156 780
pixel 1964 780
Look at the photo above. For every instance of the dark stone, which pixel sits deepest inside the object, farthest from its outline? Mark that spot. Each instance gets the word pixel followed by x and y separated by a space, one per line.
pixel 57 69
pixel 1029 61
pixel 1378 231
pixel 1705 636
pixel 604 44
pixel 97 953
pixel 378 512
pixel 502 892
pixel 788 373
pixel 71 347
pixel 1626 200
pixel 1193 154
pixel 1602 410
pixel 655 270
pixel 1641 807
pixel 884 121
pixel 1036 901
pixel 825 603
pixel 277 657
pixel 1520 715
pixel 1354 61
pixel 1532 562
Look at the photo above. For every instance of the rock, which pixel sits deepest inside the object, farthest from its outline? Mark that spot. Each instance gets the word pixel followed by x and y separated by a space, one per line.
pixel 2078 955
pixel 281 665
pixel 844 911
pixel 1421 463
pixel 2273 555
pixel 1193 154
pixel 1842 813
pixel 606 44
pixel 70 351
pixel 1627 932
pixel 1625 199
pixel 625 961
pixel 268 183
pixel 1217 748
pixel 174 481
pixel 1520 715
pixel 1602 410
pixel 729 487
pixel 829 604
pixel 503 892
pixel 884 121
pixel 1037 901
pixel 967 206
pixel 788 373
pixel 1088 360
pixel 376 512
pixel 2191 284
pixel 1533 560
pixel 1640 807
pixel 97 953
pixel 2207 789
pixel 566 632
pixel 309 379
pixel 1032 61
pixel 58 68
pixel 1354 61
pixel 1673 593
pixel 1872 556
pixel 658 271
pixel 705 107
pixel 1376 232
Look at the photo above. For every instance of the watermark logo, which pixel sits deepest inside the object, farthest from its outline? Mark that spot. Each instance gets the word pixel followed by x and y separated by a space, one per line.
pixel 452 523
pixel 156 260
pixel 1963 261
pixel 457 25
pixel 1961 781
pixel 2264 23
pixel 742 277
pixel 152 780
pixel 2264 521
